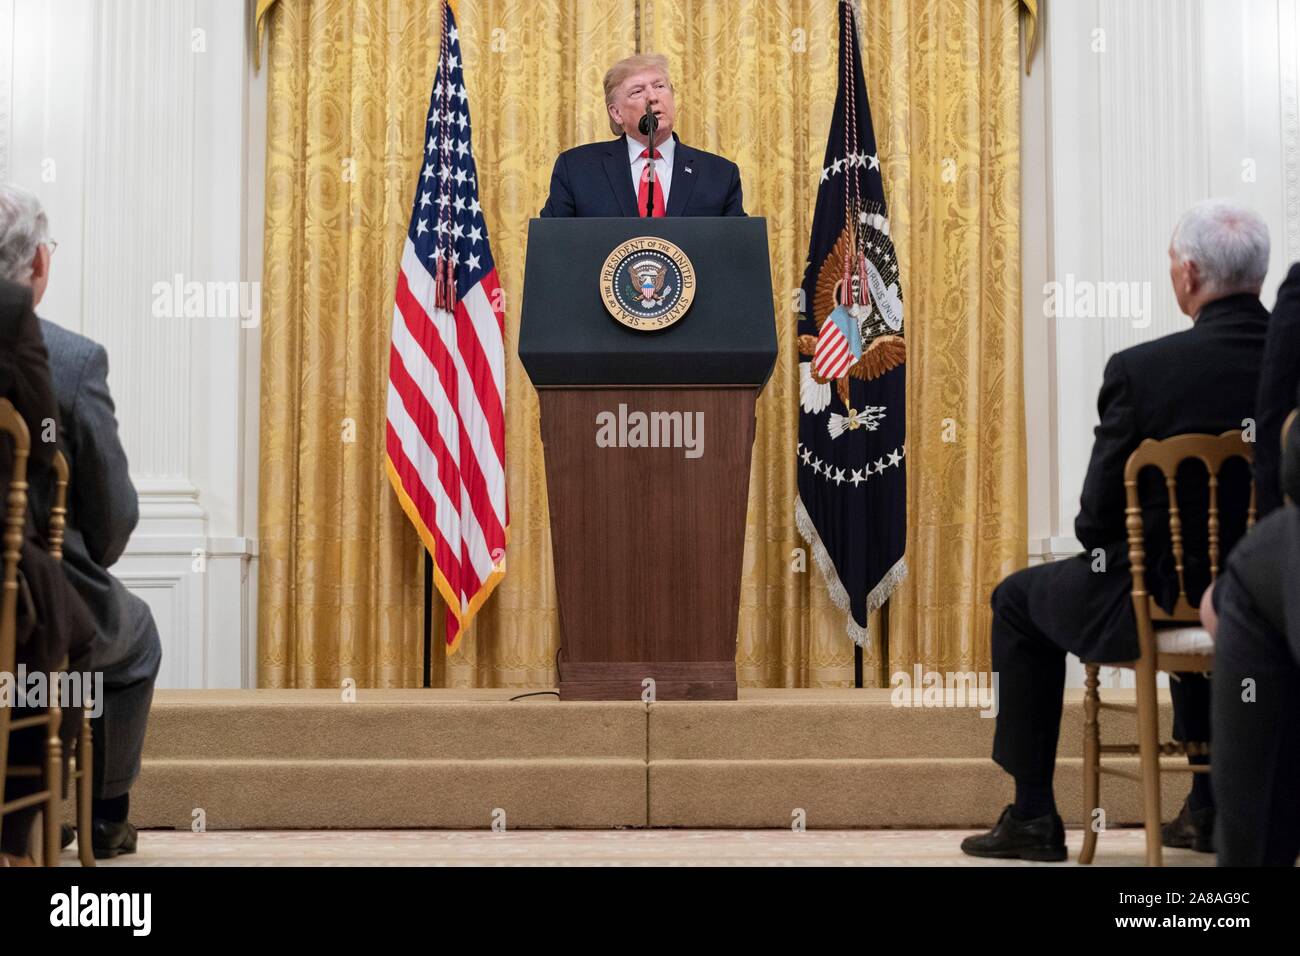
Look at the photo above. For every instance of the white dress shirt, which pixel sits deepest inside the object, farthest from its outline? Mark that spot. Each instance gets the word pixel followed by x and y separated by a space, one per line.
pixel 663 166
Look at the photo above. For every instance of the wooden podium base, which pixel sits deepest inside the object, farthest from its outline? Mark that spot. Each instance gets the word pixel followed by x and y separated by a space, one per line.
pixel 648 541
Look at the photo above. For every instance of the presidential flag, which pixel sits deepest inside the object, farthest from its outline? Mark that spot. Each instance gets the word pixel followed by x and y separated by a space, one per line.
pixel 852 506
pixel 446 444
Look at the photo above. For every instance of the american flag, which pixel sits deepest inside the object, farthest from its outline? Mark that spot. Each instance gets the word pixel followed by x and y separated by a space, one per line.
pixel 446 451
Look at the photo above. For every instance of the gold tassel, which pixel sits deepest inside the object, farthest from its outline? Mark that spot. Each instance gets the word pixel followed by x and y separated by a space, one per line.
pixel 259 22
pixel 1029 26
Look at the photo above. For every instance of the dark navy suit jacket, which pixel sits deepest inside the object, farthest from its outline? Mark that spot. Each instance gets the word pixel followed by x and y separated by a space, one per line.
pixel 596 180
pixel 1278 380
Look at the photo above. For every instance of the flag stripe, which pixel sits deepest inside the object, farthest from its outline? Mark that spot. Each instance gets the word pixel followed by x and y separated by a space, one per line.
pixel 470 441
pixel 474 551
pixel 432 497
pixel 832 356
pixel 432 378
pixel 461 342
pixel 487 355
pixel 420 412
pixel 834 349
pixel 463 537
pixel 419 495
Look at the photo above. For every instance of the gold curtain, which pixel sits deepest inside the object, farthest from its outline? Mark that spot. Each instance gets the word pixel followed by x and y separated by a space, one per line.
pixel 340 573
pixel 944 83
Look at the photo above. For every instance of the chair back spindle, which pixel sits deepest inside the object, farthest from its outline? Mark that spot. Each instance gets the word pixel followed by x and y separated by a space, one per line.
pixel 12 425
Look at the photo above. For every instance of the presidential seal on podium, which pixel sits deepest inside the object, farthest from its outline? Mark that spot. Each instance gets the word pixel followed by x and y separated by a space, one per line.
pixel 647 283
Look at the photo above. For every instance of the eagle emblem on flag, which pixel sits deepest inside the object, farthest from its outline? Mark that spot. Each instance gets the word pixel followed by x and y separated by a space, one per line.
pixel 874 343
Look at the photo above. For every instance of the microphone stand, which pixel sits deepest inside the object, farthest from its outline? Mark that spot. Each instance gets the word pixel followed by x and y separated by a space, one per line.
pixel 649 124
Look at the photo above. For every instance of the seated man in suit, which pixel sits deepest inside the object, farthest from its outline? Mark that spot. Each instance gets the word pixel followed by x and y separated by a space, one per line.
pixel 102 512
pixel 1201 380
pixel 53 621
pixel 1278 381
pixel 1256 710
pixel 612 178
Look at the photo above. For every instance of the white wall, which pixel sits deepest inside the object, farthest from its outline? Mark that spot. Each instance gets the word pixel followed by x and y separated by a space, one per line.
pixel 140 126
pixel 1135 109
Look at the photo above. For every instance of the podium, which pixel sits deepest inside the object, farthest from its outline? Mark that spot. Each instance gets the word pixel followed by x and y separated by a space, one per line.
pixel 647 437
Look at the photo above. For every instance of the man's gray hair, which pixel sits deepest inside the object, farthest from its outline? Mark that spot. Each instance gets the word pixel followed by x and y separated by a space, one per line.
pixel 1227 241
pixel 23 227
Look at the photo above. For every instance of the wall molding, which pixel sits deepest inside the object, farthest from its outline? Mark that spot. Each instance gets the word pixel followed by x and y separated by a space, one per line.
pixel 6 84
pixel 1289 76
pixel 170 596
pixel 144 108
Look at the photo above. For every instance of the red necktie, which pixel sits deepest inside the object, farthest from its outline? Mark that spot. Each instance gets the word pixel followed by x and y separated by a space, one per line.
pixel 644 189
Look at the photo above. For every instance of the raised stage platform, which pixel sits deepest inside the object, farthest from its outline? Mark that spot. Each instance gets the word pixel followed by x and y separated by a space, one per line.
pixel 306 759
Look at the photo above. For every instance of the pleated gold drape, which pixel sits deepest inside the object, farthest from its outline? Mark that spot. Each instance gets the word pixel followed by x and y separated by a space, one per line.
pixel 945 86
pixel 340 573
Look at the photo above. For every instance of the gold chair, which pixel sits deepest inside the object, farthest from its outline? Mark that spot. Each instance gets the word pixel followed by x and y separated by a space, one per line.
pixel 82 775
pixel 1183 649
pixel 12 424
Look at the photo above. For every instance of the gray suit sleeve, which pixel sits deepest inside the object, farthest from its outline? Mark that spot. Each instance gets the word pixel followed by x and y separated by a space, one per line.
pixel 101 496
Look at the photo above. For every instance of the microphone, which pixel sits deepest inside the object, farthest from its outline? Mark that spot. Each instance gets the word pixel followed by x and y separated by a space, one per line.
pixel 649 123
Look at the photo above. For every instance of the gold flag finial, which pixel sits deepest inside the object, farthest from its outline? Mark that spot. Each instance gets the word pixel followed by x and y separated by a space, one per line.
pixel 259 21
pixel 1029 26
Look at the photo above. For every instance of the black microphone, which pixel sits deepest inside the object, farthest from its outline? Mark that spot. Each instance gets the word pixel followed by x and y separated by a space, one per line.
pixel 649 123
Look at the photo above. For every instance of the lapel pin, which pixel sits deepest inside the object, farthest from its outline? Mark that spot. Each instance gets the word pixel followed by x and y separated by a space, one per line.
pixel 688 169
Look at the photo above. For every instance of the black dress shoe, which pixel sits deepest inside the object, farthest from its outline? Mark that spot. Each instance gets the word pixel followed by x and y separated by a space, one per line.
pixel 1190 830
pixel 67 833
pixel 110 838
pixel 1041 839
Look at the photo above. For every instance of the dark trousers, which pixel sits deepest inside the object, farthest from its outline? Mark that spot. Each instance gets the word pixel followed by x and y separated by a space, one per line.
pixel 119 731
pixel 1257 757
pixel 1030 665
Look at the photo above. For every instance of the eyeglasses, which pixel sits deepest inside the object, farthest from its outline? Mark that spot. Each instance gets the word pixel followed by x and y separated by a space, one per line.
pixel 53 244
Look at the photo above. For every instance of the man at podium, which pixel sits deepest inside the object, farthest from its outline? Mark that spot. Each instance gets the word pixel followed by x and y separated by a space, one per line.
pixel 614 178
